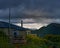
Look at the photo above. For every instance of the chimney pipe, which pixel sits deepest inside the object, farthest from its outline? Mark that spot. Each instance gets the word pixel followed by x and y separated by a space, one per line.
pixel 21 23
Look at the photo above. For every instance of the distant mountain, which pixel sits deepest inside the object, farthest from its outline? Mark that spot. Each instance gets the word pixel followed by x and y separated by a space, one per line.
pixel 53 28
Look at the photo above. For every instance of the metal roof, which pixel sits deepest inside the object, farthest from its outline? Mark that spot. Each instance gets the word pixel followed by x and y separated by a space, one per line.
pixel 12 26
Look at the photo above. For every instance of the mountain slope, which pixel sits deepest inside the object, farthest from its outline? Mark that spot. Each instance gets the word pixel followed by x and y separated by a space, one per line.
pixel 53 28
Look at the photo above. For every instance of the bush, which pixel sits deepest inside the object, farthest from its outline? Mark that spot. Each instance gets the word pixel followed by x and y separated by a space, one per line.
pixel 53 38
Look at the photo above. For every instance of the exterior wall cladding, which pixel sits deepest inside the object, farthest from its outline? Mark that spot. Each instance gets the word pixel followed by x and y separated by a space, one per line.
pixel 15 31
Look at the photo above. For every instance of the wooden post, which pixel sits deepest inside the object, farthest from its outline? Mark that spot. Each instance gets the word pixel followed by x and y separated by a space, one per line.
pixel 9 26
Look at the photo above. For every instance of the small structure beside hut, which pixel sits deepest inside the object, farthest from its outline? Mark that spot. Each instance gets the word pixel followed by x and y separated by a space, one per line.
pixel 16 34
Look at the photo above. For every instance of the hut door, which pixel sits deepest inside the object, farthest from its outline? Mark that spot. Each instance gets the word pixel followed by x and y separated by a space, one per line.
pixel 16 34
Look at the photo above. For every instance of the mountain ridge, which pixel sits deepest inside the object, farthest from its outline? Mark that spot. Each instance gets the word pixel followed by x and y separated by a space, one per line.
pixel 53 28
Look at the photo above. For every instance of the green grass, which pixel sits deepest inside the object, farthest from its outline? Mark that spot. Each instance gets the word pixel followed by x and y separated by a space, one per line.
pixel 54 38
pixel 4 41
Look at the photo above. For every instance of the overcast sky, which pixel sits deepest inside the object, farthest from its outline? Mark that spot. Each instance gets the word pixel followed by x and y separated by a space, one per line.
pixel 34 13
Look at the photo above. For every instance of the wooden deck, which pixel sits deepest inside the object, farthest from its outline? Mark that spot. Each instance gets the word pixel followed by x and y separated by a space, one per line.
pixel 18 40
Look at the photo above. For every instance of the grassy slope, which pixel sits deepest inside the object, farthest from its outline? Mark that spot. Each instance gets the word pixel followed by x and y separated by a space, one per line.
pixel 4 41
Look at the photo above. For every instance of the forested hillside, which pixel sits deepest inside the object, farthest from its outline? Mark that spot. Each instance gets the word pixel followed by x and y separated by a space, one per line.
pixel 53 28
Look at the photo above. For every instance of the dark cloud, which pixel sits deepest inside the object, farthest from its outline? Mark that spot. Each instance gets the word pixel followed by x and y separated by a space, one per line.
pixel 9 3
pixel 39 10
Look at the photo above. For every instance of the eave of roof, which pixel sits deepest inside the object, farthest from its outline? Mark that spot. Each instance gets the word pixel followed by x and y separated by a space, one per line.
pixel 12 26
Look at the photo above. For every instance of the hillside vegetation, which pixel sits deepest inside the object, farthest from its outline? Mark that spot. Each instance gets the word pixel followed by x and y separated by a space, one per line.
pixel 4 41
pixel 37 42
pixel 48 41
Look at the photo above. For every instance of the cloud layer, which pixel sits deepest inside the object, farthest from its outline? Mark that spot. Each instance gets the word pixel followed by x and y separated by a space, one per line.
pixel 40 11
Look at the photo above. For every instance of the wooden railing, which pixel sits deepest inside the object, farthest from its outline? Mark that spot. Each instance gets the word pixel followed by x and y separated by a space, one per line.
pixel 18 40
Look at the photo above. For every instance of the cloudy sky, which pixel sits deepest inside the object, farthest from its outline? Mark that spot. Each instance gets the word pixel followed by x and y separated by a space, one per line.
pixel 34 13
